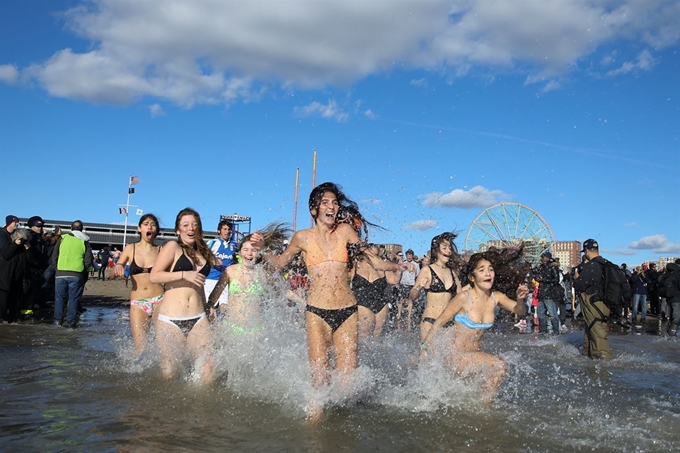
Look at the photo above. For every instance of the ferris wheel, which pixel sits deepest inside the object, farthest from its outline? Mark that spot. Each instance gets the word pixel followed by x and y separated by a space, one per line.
pixel 510 225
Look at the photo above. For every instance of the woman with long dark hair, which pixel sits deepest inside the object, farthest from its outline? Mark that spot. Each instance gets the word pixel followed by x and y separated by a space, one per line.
pixel 331 311
pixel 145 295
pixel 439 280
pixel 473 313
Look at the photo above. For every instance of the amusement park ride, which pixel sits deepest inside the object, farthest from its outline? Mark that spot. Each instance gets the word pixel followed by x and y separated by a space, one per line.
pixel 510 225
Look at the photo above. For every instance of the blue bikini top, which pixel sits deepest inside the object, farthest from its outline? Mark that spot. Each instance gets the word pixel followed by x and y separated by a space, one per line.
pixel 463 319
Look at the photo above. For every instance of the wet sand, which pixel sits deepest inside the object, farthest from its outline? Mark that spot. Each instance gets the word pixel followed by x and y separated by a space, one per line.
pixel 106 292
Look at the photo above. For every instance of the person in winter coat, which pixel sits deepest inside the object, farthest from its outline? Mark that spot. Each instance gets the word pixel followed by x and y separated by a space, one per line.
pixel 639 282
pixel 15 262
pixel 672 293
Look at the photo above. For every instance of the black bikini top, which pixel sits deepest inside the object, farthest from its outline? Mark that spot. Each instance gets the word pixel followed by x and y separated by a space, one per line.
pixel 135 268
pixel 184 264
pixel 437 286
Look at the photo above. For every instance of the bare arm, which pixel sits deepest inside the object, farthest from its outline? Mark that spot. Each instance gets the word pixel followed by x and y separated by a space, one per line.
pixel 125 257
pixel 518 306
pixel 422 281
pixel 221 285
pixel 160 272
pixel 454 306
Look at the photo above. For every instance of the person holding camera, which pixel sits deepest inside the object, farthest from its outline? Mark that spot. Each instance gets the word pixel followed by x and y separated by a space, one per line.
pixel 14 268
pixel 639 282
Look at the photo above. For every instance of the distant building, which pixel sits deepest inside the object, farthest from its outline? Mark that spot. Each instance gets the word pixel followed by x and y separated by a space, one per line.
pixel 663 260
pixel 568 252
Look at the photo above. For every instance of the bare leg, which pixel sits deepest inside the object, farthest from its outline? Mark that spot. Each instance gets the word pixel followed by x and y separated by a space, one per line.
pixel 318 350
pixel 139 327
pixel 200 342
pixel 346 349
pixel 380 320
pixel 366 321
pixel 170 341
pixel 490 366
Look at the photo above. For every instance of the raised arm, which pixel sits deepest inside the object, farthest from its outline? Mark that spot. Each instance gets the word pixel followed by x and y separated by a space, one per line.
pixel 518 306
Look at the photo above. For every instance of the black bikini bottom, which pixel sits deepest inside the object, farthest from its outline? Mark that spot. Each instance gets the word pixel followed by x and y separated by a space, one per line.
pixel 373 304
pixel 334 318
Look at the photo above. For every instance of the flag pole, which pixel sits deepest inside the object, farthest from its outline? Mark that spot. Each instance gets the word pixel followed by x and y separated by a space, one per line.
pixel 127 211
pixel 311 223
pixel 295 199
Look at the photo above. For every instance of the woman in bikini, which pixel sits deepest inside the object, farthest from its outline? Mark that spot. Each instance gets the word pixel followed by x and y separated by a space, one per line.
pixel 369 285
pixel 183 323
pixel 245 282
pixel 473 312
pixel 439 280
pixel 145 295
pixel 331 311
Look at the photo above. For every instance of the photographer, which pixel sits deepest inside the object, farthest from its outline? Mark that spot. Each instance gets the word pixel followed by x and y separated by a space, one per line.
pixel 550 292
pixel 14 272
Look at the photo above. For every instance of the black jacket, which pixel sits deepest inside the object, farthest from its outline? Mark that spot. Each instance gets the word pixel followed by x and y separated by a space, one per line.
pixel 549 279
pixel 674 274
pixel 14 266
pixel 590 279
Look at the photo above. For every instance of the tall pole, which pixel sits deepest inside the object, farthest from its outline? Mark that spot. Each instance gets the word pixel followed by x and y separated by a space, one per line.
pixel 295 198
pixel 127 211
pixel 311 223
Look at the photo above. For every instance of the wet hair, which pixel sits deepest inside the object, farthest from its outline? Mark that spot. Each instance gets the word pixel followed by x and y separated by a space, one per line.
pixel 509 266
pixel 455 261
pixel 151 217
pixel 348 210
pixel 77 225
pixel 276 236
pixel 199 247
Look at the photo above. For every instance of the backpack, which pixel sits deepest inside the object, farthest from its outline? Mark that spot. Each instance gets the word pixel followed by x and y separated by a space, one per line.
pixel 667 285
pixel 616 287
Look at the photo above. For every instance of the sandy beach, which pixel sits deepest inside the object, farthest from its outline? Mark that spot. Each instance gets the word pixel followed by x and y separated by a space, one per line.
pixel 106 292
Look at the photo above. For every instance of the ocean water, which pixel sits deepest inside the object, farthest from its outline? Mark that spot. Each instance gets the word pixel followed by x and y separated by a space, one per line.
pixel 83 390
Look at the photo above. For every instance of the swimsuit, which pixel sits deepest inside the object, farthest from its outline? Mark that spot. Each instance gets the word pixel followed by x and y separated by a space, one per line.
pixel 370 294
pixel 314 254
pixel 432 320
pixel 334 318
pixel 437 285
pixel 135 268
pixel 183 264
pixel 148 305
pixel 255 288
pixel 185 325
pixel 463 319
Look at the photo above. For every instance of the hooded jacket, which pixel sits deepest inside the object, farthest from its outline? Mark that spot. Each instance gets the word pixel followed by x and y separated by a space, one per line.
pixel 72 255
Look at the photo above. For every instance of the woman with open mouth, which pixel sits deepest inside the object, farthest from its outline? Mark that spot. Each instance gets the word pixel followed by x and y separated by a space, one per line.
pixel 439 280
pixel 145 295
pixel 183 324
pixel 331 311
pixel 473 313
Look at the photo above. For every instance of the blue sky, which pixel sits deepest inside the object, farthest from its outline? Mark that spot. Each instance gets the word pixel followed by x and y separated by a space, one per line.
pixel 426 112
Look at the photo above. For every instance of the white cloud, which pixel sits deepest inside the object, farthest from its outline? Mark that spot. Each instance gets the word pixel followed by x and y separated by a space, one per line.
pixel 156 110
pixel 477 197
pixel 644 62
pixel 419 82
pixel 222 51
pixel 328 111
pixel 9 74
pixel 421 225
pixel 659 243
pixel 369 114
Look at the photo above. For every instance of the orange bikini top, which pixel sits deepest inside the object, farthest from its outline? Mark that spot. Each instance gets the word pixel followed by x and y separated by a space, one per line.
pixel 335 252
